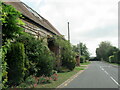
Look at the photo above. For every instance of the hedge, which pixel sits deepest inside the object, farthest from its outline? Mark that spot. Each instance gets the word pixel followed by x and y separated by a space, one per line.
pixel 15 60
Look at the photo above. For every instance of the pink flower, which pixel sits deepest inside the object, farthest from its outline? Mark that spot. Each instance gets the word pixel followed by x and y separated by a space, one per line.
pixel 35 85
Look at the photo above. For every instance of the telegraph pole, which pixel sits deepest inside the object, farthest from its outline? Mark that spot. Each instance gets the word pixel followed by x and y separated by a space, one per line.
pixel 68 33
pixel 79 49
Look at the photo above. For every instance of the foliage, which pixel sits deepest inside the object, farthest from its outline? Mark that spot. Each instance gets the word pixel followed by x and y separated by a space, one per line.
pixel 30 81
pixel 15 59
pixel 10 22
pixel 114 58
pixel 39 56
pixel 83 50
pixel 44 80
pixel 3 52
pixel 105 50
pixel 68 56
pixel 82 59
pixel 54 77
pixel 23 85
pixel 111 59
pixel 118 57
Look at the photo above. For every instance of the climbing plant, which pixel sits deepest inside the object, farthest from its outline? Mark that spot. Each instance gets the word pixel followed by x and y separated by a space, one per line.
pixel 11 22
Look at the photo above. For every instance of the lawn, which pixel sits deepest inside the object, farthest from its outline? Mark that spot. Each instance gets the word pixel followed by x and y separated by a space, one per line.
pixel 62 77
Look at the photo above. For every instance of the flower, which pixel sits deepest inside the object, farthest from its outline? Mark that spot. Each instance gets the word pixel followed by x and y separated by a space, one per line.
pixel 35 85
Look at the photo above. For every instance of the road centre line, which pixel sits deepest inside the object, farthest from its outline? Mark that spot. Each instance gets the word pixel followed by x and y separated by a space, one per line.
pixel 106 72
pixel 110 76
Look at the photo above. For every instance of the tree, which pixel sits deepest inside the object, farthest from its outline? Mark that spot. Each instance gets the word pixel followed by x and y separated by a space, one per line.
pixel 83 50
pixel 105 50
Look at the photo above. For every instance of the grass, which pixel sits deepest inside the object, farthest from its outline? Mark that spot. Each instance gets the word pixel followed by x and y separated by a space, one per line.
pixel 85 63
pixel 62 77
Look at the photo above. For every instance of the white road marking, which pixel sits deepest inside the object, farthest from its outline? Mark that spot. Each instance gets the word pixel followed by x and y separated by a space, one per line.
pixel 109 75
pixel 115 81
pixel 101 68
pixel 106 72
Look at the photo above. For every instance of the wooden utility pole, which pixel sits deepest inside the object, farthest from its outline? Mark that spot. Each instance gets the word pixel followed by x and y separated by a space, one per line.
pixel 68 33
pixel 79 49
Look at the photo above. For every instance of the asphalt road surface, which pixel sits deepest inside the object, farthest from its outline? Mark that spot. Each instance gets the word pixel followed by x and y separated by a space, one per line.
pixel 97 75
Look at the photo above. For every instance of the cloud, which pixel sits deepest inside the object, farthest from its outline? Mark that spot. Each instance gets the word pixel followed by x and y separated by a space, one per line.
pixel 91 21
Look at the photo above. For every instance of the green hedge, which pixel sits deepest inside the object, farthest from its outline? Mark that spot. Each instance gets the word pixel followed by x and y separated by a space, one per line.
pixel 115 58
pixel 118 57
pixel 15 60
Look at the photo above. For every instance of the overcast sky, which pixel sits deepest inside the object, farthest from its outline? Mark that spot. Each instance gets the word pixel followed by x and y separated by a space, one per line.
pixel 91 21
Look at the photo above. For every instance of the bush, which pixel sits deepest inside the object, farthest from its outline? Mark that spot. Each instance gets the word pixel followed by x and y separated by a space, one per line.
pixel 118 57
pixel 111 59
pixel 54 77
pixel 30 81
pixel 82 59
pixel 23 85
pixel 4 74
pixel 44 80
pixel 68 56
pixel 39 56
pixel 15 60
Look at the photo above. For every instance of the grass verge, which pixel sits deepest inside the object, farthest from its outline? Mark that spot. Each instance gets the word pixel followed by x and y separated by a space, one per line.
pixel 62 77
pixel 85 63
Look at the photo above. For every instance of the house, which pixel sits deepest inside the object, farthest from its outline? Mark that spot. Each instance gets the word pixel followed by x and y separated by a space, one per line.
pixel 36 24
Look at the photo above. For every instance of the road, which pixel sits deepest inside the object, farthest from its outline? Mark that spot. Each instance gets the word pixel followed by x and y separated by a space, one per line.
pixel 97 75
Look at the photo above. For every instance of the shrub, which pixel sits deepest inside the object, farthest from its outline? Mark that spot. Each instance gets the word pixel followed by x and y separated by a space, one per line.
pixel 30 81
pixel 118 57
pixel 82 59
pixel 115 57
pixel 39 56
pixel 4 74
pixel 68 56
pixel 111 59
pixel 23 85
pixel 15 60
pixel 44 80
pixel 54 77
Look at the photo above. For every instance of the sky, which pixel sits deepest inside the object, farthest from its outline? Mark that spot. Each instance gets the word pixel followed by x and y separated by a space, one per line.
pixel 91 21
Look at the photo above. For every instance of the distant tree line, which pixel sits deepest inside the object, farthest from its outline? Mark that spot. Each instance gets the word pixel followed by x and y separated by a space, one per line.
pixel 107 52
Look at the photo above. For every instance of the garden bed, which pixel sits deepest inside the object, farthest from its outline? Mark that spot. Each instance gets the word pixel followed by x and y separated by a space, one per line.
pixel 62 77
